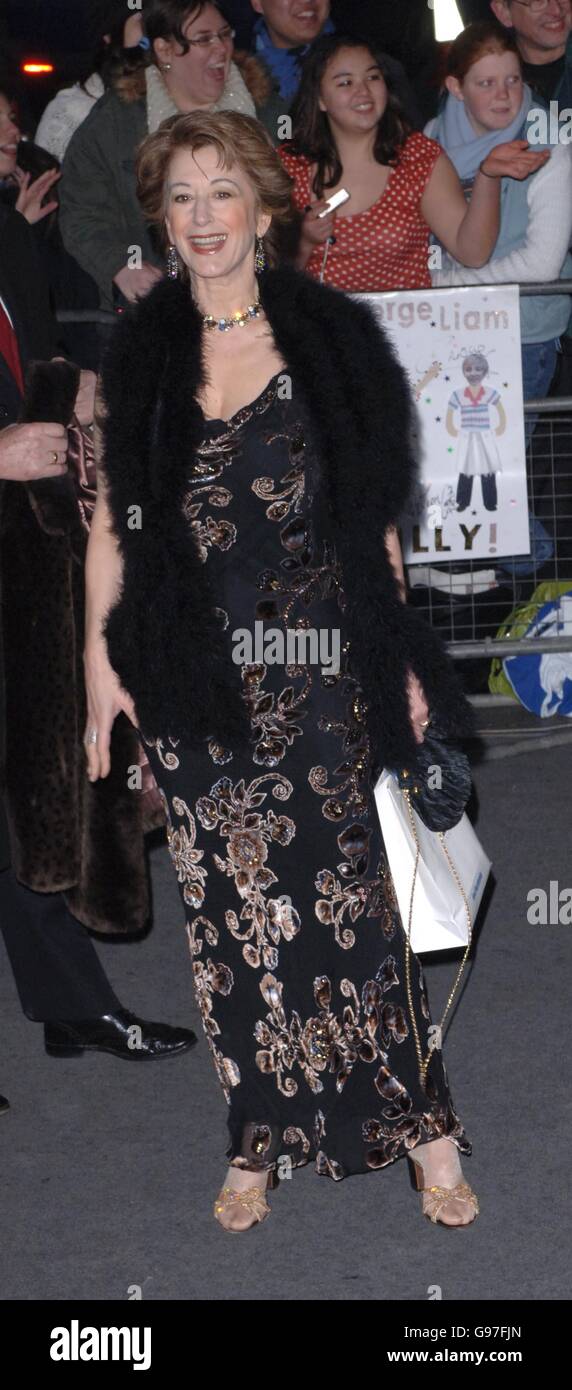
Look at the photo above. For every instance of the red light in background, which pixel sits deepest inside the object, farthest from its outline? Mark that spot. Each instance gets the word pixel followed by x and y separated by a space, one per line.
pixel 33 69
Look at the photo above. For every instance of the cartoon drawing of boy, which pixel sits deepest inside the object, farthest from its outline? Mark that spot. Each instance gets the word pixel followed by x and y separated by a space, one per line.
pixel 477 450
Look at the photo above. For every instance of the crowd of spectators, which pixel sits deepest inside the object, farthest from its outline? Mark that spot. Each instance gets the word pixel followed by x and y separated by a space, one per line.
pixel 351 99
pixel 354 97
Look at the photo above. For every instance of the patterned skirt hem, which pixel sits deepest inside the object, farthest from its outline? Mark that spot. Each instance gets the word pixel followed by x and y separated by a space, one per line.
pixel 374 1158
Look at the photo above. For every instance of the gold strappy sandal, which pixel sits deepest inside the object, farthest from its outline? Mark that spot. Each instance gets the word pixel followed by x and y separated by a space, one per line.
pixel 433 1204
pixel 253 1199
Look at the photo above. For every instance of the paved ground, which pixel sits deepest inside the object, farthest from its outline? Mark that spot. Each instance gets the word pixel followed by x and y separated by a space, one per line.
pixel 109 1168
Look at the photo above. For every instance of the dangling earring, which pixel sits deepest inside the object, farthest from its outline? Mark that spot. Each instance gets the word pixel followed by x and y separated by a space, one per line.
pixel 260 256
pixel 172 263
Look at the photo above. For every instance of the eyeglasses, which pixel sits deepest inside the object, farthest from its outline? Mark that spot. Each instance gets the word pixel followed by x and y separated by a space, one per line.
pixel 537 6
pixel 225 35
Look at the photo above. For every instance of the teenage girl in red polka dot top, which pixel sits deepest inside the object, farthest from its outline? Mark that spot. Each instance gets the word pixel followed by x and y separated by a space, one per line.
pixel 349 131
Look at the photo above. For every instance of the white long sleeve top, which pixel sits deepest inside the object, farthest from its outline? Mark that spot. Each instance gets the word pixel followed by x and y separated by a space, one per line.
pixel 65 113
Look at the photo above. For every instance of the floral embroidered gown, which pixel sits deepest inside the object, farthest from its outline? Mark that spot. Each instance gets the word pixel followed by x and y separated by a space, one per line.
pixel 297 946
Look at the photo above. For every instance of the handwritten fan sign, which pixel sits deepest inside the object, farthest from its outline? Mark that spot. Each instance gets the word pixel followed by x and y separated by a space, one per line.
pixel 461 351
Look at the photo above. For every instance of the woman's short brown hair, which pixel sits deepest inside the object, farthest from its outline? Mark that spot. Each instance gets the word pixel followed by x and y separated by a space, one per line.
pixel 239 140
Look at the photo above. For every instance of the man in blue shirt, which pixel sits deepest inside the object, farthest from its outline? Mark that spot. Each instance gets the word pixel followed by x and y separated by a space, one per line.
pixel 283 35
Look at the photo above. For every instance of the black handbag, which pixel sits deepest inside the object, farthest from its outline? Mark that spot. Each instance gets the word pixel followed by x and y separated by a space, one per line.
pixel 439 783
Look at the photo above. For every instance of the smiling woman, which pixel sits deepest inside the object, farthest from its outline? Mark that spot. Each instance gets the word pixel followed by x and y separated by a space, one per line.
pixel 207 180
pixel 29 195
pixel 190 66
pixel 349 131
pixel 254 499
pixel 211 210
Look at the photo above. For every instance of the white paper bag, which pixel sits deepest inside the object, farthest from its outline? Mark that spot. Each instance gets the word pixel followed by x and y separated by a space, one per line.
pixel 439 918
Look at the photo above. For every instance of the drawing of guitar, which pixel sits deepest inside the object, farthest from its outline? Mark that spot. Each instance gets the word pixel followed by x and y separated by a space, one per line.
pixel 430 375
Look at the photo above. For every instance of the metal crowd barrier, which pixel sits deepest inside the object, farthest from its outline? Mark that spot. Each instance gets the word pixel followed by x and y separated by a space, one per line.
pixel 549 488
pixel 475 598
pixel 469 601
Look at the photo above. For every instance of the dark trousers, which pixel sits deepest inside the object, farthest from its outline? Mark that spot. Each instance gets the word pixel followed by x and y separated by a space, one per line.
pixel 56 967
pixel 465 490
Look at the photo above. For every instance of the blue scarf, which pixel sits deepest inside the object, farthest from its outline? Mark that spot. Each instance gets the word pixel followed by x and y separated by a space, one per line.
pixel 284 63
pixel 453 129
pixel 542 317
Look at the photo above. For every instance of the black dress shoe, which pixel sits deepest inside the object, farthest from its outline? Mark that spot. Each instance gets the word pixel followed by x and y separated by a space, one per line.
pixel 122 1033
pixel 4 1105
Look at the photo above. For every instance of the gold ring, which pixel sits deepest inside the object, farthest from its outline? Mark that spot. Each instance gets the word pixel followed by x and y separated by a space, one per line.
pixel 424 723
pixel 54 456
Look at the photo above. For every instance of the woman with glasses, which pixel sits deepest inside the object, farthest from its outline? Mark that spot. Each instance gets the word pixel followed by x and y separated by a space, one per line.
pixel 188 66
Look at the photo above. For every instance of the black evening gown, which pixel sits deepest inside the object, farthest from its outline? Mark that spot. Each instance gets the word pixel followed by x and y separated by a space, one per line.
pixel 297 945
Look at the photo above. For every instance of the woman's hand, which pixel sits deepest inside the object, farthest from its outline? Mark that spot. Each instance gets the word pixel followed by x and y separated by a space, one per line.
pixel 513 160
pixel 418 707
pixel 315 230
pixel 105 700
pixel 134 283
pixel 29 200
pixel 37 450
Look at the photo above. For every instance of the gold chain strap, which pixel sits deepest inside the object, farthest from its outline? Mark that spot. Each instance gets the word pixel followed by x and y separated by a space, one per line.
pixel 423 1065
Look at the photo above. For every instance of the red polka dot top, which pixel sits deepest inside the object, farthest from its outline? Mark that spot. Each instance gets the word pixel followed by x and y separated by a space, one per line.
pixel 387 246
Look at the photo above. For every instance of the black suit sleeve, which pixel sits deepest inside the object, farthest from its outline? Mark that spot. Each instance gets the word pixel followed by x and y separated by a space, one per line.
pixel 24 285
